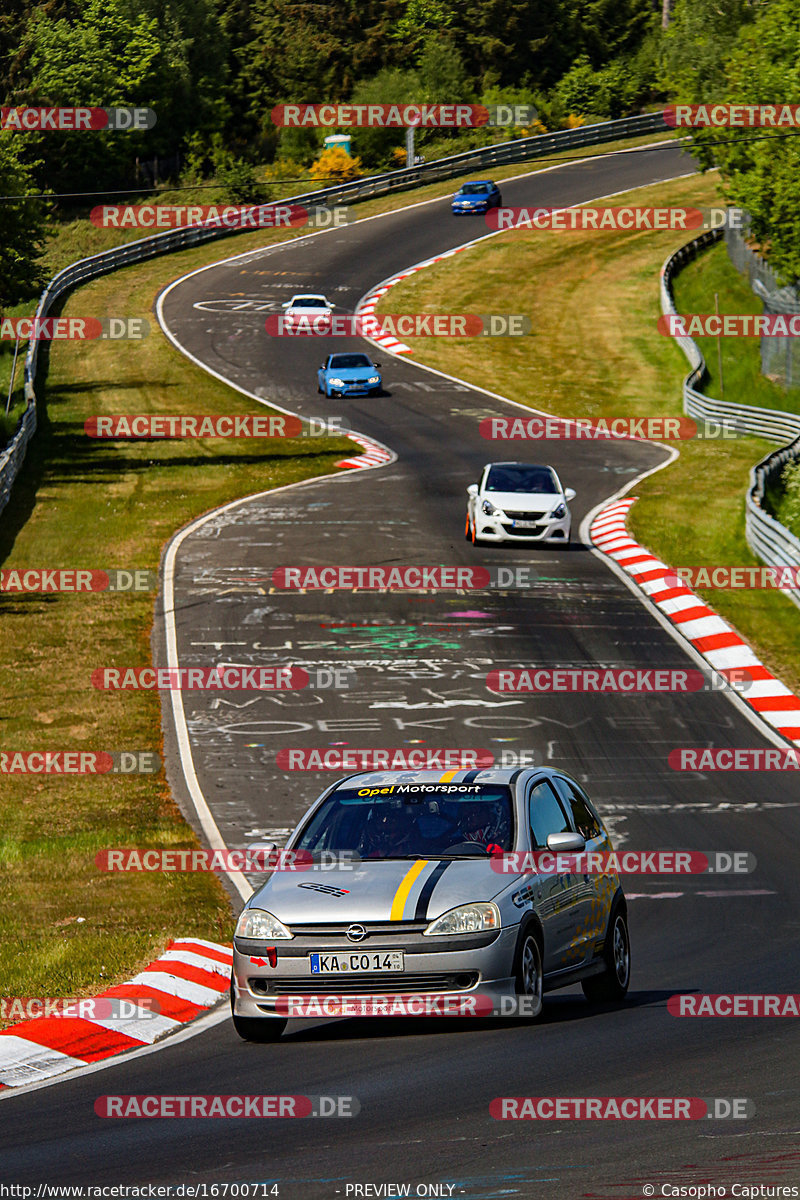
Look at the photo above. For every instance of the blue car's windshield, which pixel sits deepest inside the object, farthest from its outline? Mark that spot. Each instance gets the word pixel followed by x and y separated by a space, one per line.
pixel 428 820
pixel 521 479
pixel 343 361
pixel 475 189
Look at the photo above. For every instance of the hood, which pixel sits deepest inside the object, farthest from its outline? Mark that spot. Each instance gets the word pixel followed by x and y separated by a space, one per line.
pixel 353 372
pixel 407 890
pixel 535 503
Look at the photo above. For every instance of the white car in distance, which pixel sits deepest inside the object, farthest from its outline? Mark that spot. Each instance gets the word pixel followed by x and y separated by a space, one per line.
pixel 518 502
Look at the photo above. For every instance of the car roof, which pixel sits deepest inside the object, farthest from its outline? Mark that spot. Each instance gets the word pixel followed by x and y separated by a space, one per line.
pixel 499 775
pixel 540 466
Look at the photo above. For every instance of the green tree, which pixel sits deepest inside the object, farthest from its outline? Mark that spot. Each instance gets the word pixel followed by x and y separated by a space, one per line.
pixel 21 225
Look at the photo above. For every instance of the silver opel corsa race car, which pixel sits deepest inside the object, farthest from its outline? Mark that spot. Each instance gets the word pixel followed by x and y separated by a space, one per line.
pixel 418 887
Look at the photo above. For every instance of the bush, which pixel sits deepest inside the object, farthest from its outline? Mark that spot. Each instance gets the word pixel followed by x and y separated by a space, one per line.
pixel 335 164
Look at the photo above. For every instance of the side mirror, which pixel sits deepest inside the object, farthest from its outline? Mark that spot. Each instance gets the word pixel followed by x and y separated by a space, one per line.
pixel 322 366
pixel 570 493
pixel 286 305
pixel 565 843
pixel 472 490
pixel 377 365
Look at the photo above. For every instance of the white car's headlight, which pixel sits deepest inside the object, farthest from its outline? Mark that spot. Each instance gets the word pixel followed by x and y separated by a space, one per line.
pixel 469 918
pixel 257 923
pixel 374 379
pixel 559 511
pixel 337 382
pixel 488 508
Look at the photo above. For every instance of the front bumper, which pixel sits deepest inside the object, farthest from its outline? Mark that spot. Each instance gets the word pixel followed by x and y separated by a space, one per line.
pixel 485 970
pixel 499 529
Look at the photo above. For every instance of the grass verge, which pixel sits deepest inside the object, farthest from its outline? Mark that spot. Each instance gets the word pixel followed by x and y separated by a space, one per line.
pixel 593 301
pixel 65 926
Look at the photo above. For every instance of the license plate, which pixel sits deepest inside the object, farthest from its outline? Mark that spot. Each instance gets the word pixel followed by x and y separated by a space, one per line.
pixel 524 524
pixel 375 960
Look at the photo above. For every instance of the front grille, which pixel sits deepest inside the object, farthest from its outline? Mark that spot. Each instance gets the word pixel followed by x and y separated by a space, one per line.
pixel 373 928
pixel 367 985
pixel 523 516
pixel 531 531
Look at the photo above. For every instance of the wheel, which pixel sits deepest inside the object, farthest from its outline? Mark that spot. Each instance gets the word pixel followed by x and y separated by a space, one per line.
pixel 528 970
pixel 467 533
pixel 319 389
pixel 476 541
pixel 256 1029
pixel 613 983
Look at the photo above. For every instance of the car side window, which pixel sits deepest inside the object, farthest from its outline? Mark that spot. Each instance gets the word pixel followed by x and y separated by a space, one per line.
pixel 586 822
pixel 546 814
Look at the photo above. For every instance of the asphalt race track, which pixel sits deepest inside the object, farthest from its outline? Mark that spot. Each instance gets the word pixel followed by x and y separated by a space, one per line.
pixel 425 1087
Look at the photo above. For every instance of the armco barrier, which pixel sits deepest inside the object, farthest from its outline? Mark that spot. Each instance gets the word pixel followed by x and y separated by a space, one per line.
pixel 765 536
pixel 361 189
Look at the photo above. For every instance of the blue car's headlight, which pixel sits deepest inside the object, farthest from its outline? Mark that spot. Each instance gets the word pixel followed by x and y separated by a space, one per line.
pixel 337 382
pixel 374 379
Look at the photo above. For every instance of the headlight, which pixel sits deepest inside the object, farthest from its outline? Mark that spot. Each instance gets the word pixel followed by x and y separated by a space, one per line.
pixel 488 508
pixel 256 923
pixel 337 382
pixel 469 918
pixel 559 511
pixel 374 379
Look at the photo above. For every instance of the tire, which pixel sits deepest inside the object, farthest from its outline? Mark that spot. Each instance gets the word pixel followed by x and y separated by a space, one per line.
pixel 476 541
pixel 257 1029
pixel 467 533
pixel 319 389
pixel 528 974
pixel 613 983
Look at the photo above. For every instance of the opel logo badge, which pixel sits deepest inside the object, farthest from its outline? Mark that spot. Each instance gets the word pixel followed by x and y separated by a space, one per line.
pixel 356 933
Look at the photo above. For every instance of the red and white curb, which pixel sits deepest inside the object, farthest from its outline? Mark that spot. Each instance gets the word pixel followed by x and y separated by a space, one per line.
pixel 376 454
pixel 369 303
pixel 189 977
pixel 714 638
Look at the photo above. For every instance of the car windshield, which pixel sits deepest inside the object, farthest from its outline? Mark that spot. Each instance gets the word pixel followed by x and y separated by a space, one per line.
pixel 343 361
pixel 413 820
pixel 475 189
pixel 521 479
pixel 309 302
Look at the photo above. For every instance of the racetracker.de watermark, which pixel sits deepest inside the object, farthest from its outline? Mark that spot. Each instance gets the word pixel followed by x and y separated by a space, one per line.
pixel 625 862
pixel 739 758
pixel 223 677
pixel 226 1106
pixel 625 219
pixel 146 426
pixel 729 325
pixel 556 429
pixel 727 116
pixel 69 579
pixel 73 329
pixel 733 578
pixel 620 1108
pixel 45 119
pixel 94 1008
pixel 734 1005
pixel 79 762
pixel 250 860
pixel 402 116
pixel 622 680
pixel 216 216
pixel 349 758
pixel 399 1004
pixel 401 325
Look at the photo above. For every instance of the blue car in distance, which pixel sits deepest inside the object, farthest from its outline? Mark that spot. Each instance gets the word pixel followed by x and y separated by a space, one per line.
pixel 476 197
pixel 349 375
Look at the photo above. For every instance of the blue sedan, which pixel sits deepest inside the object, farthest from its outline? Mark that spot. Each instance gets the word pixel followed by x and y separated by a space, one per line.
pixel 348 375
pixel 476 197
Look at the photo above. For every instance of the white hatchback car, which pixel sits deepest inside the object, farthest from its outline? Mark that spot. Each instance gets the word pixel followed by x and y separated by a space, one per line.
pixel 306 307
pixel 518 502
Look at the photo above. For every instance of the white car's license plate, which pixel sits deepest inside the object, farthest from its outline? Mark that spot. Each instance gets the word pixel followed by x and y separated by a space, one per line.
pixel 524 524
pixel 375 960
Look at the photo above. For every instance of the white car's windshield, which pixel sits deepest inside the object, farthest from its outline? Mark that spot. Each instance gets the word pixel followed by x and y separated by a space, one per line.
pixel 309 302
pixel 521 479
pixel 414 820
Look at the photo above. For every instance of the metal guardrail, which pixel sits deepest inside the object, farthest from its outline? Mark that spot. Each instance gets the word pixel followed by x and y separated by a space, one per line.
pixel 361 189
pixel 766 537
